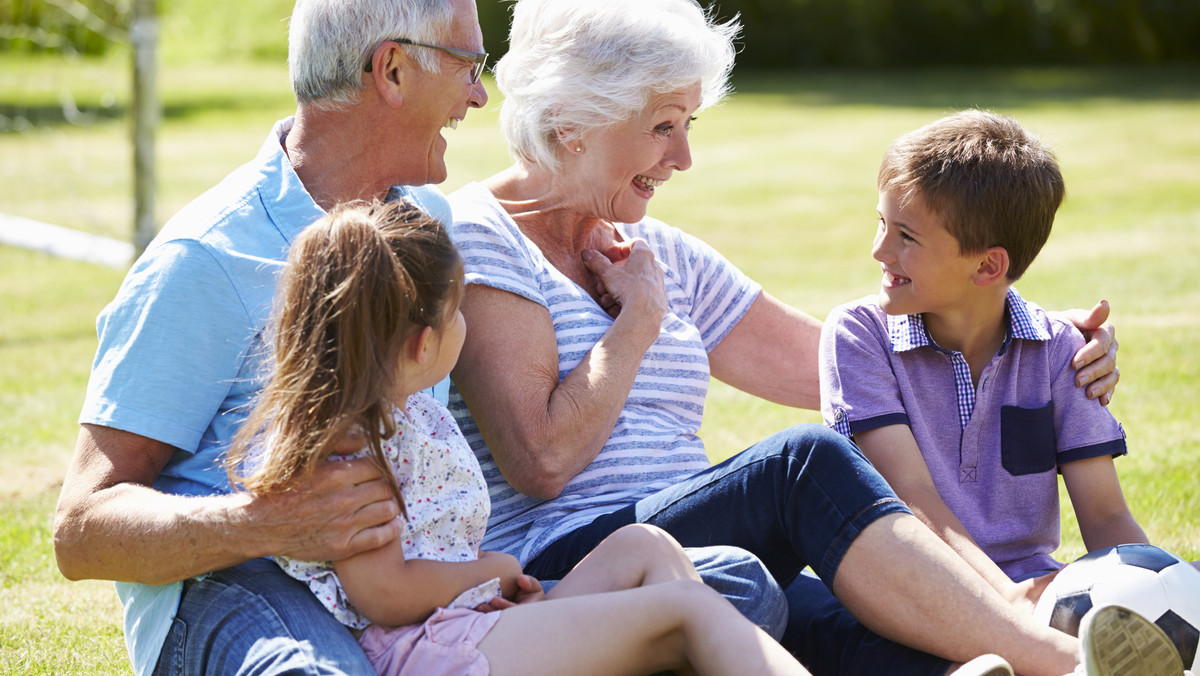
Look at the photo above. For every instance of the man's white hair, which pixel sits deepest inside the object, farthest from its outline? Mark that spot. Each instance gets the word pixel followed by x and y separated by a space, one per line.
pixel 330 41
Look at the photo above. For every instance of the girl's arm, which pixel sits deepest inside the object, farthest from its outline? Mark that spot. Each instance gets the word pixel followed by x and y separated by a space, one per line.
pixel 392 591
pixel 1100 508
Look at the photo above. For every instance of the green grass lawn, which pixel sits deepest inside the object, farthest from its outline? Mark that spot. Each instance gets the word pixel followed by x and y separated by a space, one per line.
pixel 783 184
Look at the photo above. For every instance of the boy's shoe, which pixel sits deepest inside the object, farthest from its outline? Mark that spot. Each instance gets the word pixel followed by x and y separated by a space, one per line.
pixel 984 665
pixel 1115 641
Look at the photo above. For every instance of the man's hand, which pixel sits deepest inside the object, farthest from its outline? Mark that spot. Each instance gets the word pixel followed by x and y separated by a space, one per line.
pixel 346 508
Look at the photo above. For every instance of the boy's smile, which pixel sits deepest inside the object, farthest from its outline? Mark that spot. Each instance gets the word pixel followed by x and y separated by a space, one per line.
pixel 923 270
pixel 891 281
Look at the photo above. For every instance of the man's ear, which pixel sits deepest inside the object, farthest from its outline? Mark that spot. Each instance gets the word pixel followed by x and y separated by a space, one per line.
pixel 993 266
pixel 390 71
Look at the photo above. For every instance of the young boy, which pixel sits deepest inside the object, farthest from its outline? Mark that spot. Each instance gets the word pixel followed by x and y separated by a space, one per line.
pixel 960 392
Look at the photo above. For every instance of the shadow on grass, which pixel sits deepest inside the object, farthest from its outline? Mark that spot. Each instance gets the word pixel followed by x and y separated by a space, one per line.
pixel 961 87
pixel 15 118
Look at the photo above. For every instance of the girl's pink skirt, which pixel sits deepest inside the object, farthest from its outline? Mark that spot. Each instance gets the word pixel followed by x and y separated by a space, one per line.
pixel 447 643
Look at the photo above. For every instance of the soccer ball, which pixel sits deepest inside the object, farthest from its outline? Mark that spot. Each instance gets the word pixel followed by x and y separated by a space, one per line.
pixel 1152 582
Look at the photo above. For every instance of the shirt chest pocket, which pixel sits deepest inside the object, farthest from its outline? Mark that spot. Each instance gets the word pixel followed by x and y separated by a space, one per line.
pixel 1027 441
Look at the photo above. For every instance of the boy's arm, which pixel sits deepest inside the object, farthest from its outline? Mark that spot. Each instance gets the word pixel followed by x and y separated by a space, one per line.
pixel 893 451
pixel 1104 518
pixel 393 592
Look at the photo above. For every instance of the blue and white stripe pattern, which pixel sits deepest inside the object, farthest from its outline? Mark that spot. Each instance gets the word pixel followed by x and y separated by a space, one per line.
pixel 907 332
pixel 654 442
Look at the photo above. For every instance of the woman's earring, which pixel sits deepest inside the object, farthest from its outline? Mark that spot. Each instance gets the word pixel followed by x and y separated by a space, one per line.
pixel 578 149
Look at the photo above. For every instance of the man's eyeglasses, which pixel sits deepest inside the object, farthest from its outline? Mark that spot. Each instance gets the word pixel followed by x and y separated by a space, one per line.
pixel 477 59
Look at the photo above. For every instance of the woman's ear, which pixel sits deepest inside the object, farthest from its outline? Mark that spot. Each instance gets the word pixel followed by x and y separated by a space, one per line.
pixel 993 267
pixel 569 140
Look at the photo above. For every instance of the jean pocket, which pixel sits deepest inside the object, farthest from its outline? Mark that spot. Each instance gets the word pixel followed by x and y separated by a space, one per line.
pixel 1027 440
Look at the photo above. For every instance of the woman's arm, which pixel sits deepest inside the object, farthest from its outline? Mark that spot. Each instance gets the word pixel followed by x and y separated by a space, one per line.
pixel 772 353
pixel 1104 518
pixel 543 432
pixel 393 592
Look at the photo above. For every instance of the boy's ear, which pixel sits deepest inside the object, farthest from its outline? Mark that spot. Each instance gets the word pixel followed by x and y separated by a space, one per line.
pixel 993 267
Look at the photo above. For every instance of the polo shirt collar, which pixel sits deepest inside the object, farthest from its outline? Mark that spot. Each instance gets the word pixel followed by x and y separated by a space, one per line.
pixel 291 208
pixel 285 198
pixel 907 332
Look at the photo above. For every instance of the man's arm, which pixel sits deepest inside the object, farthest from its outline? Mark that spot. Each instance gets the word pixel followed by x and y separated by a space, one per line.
pixel 110 524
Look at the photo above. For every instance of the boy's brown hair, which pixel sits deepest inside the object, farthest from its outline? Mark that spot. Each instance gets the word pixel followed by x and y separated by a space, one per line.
pixel 991 182
pixel 357 284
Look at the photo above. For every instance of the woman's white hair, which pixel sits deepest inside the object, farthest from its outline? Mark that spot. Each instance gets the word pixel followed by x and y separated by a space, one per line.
pixel 330 41
pixel 573 66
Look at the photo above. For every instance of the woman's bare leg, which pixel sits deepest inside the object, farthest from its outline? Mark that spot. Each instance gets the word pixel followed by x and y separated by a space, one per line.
pixel 660 627
pixel 904 583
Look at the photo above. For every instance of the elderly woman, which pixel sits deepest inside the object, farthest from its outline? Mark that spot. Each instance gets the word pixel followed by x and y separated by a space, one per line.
pixel 594 330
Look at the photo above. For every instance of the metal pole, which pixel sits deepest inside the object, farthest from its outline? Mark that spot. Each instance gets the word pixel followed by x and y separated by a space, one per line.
pixel 143 34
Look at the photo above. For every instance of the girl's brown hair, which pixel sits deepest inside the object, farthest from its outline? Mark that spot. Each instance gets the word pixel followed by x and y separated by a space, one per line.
pixel 357 284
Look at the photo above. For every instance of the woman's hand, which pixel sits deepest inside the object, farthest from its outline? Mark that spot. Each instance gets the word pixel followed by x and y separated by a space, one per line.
pixel 1096 362
pixel 628 278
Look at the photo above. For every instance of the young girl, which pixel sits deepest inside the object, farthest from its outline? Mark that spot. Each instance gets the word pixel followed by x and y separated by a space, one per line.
pixel 368 317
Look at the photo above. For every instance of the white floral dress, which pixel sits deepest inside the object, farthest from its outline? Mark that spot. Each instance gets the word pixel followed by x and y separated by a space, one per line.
pixel 445 496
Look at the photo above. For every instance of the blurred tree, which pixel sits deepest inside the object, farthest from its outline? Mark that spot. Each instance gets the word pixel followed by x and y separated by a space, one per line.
pixel 65 26
pixel 784 33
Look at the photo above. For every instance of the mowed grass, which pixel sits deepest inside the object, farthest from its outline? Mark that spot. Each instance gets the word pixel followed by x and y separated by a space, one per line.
pixel 783 184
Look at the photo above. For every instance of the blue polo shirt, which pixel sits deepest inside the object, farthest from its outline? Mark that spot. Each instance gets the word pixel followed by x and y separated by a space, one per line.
pixel 994 449
pixel 180 355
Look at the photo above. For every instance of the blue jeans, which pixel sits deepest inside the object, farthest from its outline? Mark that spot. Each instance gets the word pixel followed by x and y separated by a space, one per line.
pixel 830 641
pixel 742 578
pixel 796 499
pixel 254 619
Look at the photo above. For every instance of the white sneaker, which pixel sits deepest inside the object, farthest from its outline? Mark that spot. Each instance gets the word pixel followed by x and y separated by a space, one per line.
pixel 984 665
pixel 1115 641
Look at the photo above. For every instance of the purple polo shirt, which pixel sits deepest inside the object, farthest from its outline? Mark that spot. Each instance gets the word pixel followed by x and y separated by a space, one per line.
pixel 993 450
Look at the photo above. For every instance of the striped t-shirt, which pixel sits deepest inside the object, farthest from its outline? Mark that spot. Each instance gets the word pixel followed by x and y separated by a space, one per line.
pixel 654 442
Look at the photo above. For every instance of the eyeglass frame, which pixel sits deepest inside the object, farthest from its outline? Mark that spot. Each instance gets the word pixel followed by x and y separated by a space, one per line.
pixel 479 59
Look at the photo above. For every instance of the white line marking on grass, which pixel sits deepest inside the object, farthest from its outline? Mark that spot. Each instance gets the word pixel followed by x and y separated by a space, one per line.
pixel 64 242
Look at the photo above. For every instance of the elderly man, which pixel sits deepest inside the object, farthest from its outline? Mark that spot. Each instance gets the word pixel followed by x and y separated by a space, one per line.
pixel 146 501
